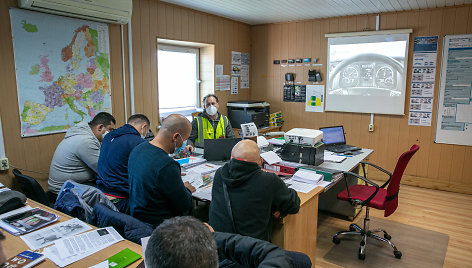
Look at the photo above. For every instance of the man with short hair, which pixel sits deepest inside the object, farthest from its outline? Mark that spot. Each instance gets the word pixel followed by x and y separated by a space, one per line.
pixel 210 124
pixel 186 242
pixel 156 190
pixel 252 194
pixel 112 178
pixel 76 157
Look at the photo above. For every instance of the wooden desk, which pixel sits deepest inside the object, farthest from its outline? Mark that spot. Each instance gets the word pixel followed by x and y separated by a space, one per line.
pixel 259 130
pixel 13 245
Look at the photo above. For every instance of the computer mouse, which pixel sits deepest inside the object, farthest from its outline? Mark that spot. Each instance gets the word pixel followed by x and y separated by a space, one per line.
pixel 348 153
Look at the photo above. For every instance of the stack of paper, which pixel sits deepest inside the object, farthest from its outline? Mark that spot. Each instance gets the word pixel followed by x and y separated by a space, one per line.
pixel 189 162
pixel 270 157
pixel 332 157
pixel 204 169
pixel 276 141
pixel 307 176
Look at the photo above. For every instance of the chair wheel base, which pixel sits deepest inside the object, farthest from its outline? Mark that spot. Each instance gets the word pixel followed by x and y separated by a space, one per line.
pixel 336 240
pixel 387 236
pixel 351 228
pixel 361 256
pixel 398 254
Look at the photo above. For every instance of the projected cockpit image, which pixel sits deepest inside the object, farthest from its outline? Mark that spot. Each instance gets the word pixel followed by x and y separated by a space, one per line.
pixel 369 69
pixel 367 74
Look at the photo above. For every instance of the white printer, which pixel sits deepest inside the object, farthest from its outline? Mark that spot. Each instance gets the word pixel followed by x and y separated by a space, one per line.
pixel 303 136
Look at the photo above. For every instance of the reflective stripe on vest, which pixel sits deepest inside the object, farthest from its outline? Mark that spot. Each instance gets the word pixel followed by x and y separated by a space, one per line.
pixel 205 129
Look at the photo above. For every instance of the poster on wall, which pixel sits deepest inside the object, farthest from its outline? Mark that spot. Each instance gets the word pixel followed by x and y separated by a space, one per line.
pixel 222 83
pixel 454 113
pixel 62 70
pixel 422 80
pixel 234 85
pixel 314 98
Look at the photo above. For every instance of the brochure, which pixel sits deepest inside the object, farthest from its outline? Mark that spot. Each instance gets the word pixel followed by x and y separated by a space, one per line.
pixel 30 220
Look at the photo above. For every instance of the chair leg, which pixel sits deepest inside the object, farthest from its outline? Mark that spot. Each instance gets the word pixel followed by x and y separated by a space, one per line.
pixel 365 232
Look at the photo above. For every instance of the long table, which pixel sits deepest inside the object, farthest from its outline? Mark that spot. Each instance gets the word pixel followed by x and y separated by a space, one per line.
pixel 13 245
pixel 298 232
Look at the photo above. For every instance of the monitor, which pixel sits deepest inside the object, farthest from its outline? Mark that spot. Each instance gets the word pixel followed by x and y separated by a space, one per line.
pixel 219 149
pixel 333 135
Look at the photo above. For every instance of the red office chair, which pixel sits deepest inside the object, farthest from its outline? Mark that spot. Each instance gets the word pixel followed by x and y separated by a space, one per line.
pixel 376 197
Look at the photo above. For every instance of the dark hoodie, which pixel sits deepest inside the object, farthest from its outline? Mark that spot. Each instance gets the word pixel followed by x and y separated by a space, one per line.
pixel 254 194
pixel 112 175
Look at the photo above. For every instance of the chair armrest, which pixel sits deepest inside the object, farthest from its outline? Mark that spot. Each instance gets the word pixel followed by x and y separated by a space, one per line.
pixel 359 202
pixel 379 168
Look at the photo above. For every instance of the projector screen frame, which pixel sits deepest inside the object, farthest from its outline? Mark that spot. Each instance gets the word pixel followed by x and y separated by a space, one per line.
pixel 356 94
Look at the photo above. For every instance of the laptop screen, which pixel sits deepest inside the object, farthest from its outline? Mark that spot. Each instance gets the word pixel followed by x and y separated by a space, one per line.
pixel 333 135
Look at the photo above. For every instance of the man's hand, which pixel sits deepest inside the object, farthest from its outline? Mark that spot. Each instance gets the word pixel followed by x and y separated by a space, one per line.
pixel 189 148
pixel 190 187
pixel 276 215
pixel 209 227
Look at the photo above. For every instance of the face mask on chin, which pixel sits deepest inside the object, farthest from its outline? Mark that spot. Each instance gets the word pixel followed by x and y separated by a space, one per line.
pixel 178 150
pixel 211 110
pixel 104 134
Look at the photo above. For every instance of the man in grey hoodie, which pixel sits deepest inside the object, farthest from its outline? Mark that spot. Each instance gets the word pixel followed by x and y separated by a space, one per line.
pixel 76 157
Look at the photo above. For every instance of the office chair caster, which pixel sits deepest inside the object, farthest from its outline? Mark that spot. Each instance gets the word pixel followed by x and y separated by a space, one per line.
pixel 361 254
pixel 336 240
pixel 398 254
pixel 387 236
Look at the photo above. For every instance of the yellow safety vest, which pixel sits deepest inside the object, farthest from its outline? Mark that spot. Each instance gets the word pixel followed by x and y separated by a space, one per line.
pixel 206 131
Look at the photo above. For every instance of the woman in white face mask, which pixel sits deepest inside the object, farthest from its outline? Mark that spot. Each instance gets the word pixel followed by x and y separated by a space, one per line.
pixel 210 124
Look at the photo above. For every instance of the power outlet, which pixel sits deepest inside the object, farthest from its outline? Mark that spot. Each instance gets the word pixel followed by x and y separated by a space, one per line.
pixel 371 127
pixel 4 165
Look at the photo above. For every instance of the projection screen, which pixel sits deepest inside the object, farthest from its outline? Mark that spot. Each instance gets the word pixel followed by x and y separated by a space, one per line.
pixel 367 73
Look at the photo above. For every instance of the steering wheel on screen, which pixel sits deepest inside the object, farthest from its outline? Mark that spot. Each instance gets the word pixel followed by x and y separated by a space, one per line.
pixel 366 57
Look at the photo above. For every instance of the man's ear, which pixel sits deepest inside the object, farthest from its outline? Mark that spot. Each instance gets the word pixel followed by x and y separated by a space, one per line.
pixel 100 127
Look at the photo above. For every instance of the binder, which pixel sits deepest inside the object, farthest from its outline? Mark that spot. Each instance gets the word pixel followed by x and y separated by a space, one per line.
pixel 280 168
pixel 328 174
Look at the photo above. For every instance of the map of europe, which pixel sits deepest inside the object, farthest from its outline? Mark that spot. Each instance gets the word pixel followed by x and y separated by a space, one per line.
pixel 62 70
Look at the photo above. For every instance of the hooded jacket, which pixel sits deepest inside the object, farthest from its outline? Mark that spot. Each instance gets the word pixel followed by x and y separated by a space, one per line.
pixel 75 158
pixel 112 177
pixel 254 195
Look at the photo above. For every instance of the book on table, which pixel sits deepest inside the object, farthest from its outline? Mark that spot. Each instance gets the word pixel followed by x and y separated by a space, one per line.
pixel 30 220
pixel 123 258
pixel 24 259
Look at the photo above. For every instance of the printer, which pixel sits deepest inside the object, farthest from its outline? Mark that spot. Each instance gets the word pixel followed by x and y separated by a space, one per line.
pixel 241 112
pixel 303 146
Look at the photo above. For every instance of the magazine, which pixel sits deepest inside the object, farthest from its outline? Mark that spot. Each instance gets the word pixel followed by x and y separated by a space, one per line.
pixel 30 220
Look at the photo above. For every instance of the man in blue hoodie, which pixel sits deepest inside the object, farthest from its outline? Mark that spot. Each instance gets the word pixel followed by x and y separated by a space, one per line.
pixel 112 176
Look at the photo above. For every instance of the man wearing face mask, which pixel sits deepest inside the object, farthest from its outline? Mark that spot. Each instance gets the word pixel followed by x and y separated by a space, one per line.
pixel 112 177
pixel 76 157
pixel 210 124
pixel 156 190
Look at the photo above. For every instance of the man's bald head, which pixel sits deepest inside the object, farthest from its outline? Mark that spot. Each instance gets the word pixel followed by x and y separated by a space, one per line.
pixel 176 123
pixel 246 150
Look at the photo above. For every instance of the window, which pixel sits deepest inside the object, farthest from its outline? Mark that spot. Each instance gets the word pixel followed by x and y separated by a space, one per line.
pixel 178 80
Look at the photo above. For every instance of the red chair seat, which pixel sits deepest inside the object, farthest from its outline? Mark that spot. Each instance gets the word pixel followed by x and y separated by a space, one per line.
pixel 362 192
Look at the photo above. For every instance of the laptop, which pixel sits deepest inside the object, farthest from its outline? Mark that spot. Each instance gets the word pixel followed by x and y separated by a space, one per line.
pixel 219 149
pixel 335 141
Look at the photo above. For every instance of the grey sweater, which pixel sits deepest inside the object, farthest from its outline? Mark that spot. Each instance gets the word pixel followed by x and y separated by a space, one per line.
pixel 76 158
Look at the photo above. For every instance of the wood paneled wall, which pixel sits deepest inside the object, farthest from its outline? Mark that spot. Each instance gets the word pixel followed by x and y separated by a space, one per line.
pixel 151 20
pixel 440 166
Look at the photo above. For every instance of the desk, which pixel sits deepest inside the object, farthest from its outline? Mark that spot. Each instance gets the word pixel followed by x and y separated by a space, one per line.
pixel 13 245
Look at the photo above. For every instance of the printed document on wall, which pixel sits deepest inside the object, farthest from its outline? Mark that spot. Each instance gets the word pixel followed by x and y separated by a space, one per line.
pixel 453 118
pixel 422 80
pixel 314 98
pixel 234 85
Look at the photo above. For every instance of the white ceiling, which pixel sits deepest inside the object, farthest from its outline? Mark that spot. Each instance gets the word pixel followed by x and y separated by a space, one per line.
pixel 270 11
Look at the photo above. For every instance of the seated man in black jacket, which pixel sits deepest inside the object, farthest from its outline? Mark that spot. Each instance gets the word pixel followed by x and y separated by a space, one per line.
pixel 254 195
pixel 186 242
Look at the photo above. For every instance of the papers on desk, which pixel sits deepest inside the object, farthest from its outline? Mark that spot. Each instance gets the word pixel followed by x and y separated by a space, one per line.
pixel 69 250
pixel 300 186
pixel 333 157
pixel 275 141
pixel 307 176
pixel 7 227
pixel 203 169
pixel 189 162
pixel 195 179
pixel 47 236
pixel 270 157
pixel 204 193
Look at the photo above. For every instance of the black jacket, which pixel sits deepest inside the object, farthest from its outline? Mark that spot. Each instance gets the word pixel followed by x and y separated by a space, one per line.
pixel 255 195
pixel 251 252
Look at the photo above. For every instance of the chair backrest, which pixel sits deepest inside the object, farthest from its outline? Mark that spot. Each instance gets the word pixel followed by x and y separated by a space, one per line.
pixel 391 201
pixel 31 188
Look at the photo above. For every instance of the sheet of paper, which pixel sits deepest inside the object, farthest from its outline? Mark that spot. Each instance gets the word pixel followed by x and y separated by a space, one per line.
pixel 262 142
pixel 314 101
pixel 144 242
pixel 218 69
pixel 2 146
pixel 270 157
pixel 235 57
pixel 276 141
pixel 7 228
pixel 300 186
pixel 69 250
pixel 332 157
pixel 47 236
pixel 222 82
pixel 248 130
pixel 307 176
pixel 194 178
pixel 203 193
pixel 103 264
pixel 234 85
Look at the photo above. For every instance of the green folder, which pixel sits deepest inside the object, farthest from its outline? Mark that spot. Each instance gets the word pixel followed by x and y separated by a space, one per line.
pixel 328 174
pixel 123 258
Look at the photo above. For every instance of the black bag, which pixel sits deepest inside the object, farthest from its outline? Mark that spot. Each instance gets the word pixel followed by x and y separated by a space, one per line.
pixel 10 200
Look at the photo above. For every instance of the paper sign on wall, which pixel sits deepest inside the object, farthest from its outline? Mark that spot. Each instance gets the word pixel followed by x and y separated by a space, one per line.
pixel 314 98
pixel 234 85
